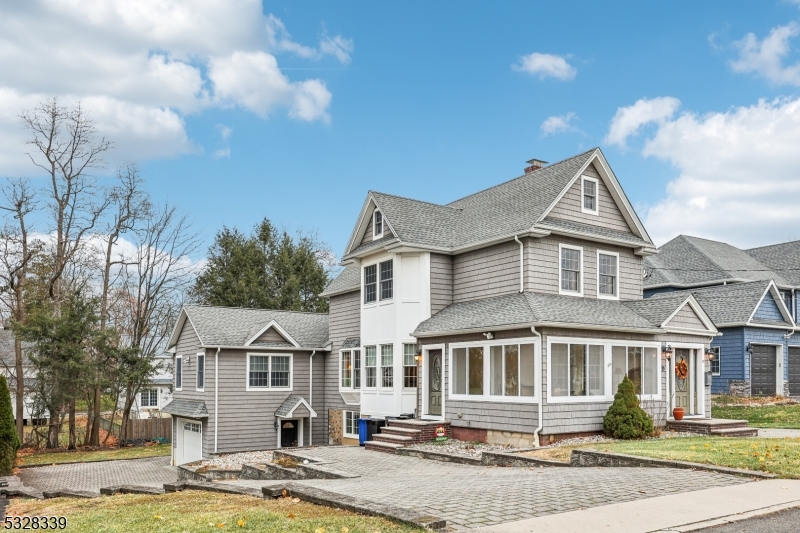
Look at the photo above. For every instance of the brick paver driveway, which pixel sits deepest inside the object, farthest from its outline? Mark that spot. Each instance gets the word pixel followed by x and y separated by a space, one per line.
pixel 152 472
pixel 473 496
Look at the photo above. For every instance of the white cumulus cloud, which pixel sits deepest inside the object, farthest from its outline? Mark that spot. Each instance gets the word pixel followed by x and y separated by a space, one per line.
pixel 765 57
pixel 546 66
pixel 737 174
pixel 558 124
pixel 141 66
pixel 629 120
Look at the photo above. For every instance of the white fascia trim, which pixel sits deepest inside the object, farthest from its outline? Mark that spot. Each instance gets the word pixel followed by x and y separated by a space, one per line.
pixel 695 332
pixel 302 401
pixel 616 276
pixel 372 250
pixel 172 343
pixel 698 310
pixel 564 325
pixel 340 291
pixel 699 285
pixel 271 348
pixel 278 328
pixel 562 246
pixel 596 211
pixel 360 226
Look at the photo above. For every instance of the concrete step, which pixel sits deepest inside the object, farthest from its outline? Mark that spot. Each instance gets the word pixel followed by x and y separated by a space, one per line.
pixel 378 446
pixel 396 439
pixel 735 432
pixel 405 432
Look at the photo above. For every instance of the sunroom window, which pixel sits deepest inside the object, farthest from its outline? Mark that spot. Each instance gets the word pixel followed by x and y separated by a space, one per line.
pixel 577 370
pixel 639 364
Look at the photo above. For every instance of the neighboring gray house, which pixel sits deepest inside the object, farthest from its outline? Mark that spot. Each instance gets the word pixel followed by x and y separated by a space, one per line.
pixel 522 303
pixel 8 369
pixel 245 379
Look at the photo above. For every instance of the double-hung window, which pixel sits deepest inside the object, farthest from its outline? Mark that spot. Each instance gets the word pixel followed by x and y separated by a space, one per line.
pixel 577 369
pixel 589 188
pixel 351 369
pixel 639 363
pixel 370 283
pixel 571 269
pixel 387 366
pixel 370 367
pixel 201 371
pixel 351 424
pixel 387 279
pixel 377 225
pixel 608 275
pixel 178 373
pixel 409 366
pixel 269 371
pixel 715 363
pixel 148 398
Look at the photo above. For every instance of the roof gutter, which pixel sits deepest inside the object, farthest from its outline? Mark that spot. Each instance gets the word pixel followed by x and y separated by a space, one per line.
pixel 251 347
pixel 216 397
pixel 541 394
pixel 566 325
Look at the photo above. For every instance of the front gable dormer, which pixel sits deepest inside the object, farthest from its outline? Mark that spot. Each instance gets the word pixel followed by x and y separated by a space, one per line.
pixel 372 225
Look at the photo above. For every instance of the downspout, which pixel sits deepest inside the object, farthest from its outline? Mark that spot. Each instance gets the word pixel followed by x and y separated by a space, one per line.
pixel 541 393
pixel 216 397
pixel 521 265
pixel 311 397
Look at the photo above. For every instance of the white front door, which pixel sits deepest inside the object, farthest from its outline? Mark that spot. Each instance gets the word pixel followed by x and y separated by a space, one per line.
pixel 190 446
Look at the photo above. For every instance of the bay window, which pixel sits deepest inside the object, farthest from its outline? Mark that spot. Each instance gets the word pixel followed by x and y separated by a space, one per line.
pixel 350 363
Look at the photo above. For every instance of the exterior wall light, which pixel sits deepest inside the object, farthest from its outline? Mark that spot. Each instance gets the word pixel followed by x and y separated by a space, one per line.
pixel 666 351
pixel 710 354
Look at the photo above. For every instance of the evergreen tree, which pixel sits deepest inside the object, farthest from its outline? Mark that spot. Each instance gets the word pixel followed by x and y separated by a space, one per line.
pixel 266 270
pixel 9 442
pixel 625 419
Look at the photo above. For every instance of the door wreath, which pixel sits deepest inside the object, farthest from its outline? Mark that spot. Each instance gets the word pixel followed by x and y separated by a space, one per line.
pixel 681 369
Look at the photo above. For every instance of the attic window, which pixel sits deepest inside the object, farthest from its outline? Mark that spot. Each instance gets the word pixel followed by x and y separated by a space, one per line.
pixel 589 195
pixel 377 224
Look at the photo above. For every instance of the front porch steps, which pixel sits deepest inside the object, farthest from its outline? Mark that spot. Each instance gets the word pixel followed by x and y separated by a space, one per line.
pixel 713 426
pixel 399 433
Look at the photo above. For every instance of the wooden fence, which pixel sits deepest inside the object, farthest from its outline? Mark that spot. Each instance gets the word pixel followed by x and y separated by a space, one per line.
pixel 147 429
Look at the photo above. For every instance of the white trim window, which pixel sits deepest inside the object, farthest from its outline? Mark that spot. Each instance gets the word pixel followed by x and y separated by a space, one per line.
pixel 590 370
pixel 716 365
pixel 350 369
pixel 387 279
pixel 370 284
pixel 608 275
pixel 377 224
pixel 503 371
pixel 370 367
pixel 589 196
pixel 178 372
pixel 409 366
pixel 570 259
pixel 387 366
pixel 350 424
pixel 148 398
pixel 200 372
pixel 577 369
pixel 269 371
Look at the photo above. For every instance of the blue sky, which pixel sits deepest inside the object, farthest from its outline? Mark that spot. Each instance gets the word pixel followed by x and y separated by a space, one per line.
pixel 238 111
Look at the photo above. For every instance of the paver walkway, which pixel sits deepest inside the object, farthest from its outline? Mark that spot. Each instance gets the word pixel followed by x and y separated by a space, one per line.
pixel 473 496
pixel 151 472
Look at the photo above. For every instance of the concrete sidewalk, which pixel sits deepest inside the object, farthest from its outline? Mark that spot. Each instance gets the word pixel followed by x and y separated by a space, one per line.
pixel 687 511
pixel 770 433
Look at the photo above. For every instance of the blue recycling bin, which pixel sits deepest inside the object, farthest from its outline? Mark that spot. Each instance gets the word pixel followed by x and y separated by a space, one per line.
pixel 362 431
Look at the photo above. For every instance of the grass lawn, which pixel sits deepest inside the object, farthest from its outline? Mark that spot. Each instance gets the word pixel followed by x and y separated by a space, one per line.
pixel 201 511
pixel 44 457
pixel 772 416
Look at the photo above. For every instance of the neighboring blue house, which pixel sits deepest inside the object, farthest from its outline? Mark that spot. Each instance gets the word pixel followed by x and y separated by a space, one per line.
pixel 751 297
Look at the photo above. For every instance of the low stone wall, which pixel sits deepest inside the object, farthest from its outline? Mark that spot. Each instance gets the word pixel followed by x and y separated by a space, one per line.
pixel 439 456
pixel 516 460
pixel 196 473
pixel 738 387
pixel 512 438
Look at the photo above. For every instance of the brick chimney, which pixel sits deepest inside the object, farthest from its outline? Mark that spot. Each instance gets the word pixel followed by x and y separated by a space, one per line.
pixel 535 164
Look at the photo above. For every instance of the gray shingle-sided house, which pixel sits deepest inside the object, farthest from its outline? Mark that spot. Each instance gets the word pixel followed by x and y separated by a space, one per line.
pixel 506 316
pixel 246 379
pixel 523 304
pixel 751 297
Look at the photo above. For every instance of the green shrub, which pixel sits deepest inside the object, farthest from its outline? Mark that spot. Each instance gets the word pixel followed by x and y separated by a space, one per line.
pixel 9 443
pixel 625 419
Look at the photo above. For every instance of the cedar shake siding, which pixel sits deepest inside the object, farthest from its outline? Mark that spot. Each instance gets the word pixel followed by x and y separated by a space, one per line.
pixel 345 322
pixel 271 336
pixel 368 232
pixel 485 272
pixel 609 215
pixel 441 282
pixel 686 318
pixel 542 266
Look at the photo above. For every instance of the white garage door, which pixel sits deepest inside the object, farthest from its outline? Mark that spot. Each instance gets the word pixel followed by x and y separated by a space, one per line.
pixel 190 446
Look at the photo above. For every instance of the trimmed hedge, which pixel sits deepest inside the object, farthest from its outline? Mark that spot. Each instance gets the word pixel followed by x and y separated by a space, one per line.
pixel 9 442
pixel 625 419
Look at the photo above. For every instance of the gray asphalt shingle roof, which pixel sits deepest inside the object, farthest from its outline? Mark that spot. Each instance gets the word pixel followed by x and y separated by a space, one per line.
pixel 348 279
pixel 506 209
pixel 533 308
pixel 187 408
pixel 233 326
pixel 288 404
pixel 657 310
pixel 686 261
pixel 726 304
pixel 783 258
